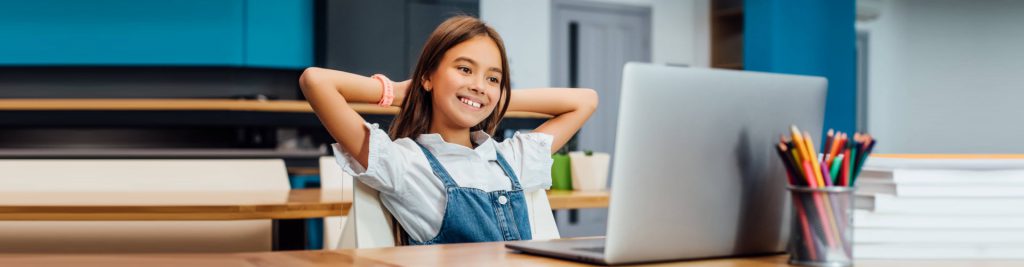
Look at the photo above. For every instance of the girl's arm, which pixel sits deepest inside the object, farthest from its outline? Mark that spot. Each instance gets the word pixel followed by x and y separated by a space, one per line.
pixel 570 107
pixel 330 91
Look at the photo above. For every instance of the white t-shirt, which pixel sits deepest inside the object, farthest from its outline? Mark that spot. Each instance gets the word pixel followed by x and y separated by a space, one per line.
pixel 416 197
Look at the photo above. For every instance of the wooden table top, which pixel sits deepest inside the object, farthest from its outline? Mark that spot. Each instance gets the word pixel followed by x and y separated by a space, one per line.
pixel 479 254
pixel 564 199
pixel 185 104
pixel 215 205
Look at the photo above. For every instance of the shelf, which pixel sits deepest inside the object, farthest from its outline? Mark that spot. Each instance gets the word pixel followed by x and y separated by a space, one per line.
pixel 565 199
pixel 136 104
pixel 559 199
pixel 170 206
pixel 213 205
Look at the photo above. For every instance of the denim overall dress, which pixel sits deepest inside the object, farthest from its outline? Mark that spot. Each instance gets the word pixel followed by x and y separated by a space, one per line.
pixel 473 215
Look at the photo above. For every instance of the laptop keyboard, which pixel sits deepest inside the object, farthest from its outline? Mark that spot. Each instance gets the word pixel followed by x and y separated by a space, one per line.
pixel 592 249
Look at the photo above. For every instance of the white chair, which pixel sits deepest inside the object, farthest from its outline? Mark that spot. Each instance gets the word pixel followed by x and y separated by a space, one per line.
pixel 542 221
pixel 370 225
pixel 142 176
pixel 339 231
pixel 334 183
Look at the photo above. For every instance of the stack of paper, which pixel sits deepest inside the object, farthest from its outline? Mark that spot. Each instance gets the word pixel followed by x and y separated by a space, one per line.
pixel 940 209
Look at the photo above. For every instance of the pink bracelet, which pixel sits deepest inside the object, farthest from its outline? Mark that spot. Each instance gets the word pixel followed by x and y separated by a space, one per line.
pixel 388 86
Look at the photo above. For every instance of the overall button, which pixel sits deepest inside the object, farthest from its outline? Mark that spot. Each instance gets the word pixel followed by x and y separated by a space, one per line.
pixel 502 200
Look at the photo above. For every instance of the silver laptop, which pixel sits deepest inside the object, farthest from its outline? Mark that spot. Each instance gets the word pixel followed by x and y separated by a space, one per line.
pixel 694 173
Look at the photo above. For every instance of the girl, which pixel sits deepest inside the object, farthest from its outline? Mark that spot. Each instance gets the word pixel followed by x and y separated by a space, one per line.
pixel 439 172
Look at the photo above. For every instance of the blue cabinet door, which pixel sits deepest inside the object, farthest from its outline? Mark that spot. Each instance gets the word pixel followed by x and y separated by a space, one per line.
pixel 122 32
pixel 279 34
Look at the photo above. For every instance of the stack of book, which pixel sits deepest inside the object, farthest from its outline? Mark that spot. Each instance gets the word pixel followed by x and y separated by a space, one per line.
pixel 940 208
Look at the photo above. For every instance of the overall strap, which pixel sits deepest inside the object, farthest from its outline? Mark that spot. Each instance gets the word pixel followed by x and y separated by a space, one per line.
pixel 439 170
pixel 508 171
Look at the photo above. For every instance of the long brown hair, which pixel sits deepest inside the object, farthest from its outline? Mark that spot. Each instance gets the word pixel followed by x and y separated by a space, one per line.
pixel 418 109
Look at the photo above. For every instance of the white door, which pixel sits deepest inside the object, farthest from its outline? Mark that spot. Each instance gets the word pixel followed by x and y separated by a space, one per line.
pixel 591 43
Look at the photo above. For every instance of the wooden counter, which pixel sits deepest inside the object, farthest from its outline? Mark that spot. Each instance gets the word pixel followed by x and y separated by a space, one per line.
pixel 214 205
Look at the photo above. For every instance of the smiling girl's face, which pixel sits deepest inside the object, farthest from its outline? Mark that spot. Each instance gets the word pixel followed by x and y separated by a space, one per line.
pixel 466 85
pixel 460 82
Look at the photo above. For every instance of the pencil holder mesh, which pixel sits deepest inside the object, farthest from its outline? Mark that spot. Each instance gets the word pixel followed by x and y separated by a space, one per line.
pixel 822 233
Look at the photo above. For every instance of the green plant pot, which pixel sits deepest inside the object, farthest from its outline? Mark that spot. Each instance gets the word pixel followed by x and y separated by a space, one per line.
pixel 561 173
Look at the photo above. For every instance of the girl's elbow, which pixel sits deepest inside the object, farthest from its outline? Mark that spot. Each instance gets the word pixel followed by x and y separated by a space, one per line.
pixel 589 99
pixel 309 76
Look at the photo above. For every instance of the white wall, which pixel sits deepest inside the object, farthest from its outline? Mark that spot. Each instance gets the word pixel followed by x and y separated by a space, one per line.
pixel 680 34
pixel 946 76
pixel 525 26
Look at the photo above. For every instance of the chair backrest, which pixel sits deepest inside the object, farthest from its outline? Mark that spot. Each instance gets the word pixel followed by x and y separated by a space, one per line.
pixel 542 221
pixel 333 183
pixel 141 176
pixel 369 224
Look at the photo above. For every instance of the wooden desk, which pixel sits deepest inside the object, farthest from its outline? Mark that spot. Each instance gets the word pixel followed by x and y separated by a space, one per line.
pixel 143 104
pixel 480 254
pixel 560 199
pixel 293 204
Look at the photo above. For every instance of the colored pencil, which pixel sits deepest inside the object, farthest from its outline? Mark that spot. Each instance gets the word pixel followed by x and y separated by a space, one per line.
pixel 814 163
pixel 821 206
pixel 828 177
pixel 836 163
pixel 861 164
pixel 807 180
pixel 805 227
pixel 781 149
pixel 825 148
pixel 791 156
